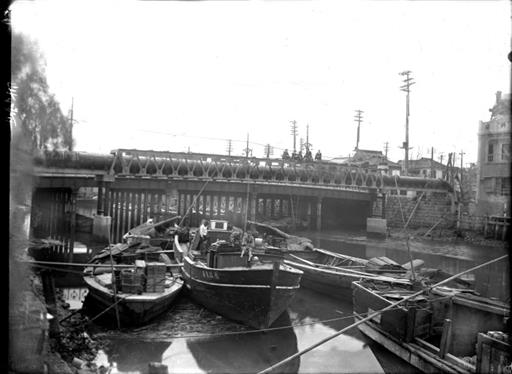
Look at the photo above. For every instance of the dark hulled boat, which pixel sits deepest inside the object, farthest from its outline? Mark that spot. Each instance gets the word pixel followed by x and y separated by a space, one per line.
pixel 143 289
pixel 443 330
pixel 254 293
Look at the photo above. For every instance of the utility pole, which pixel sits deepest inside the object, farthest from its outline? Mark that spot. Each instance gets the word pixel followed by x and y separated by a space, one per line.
pixel 358 118
pixel 386 147
pixel 441 157
pixel 308 144
pixel 269 150
pixel 432 163
pixel 71 125
pixel 229 148
pixel 294 133
pixel 301 144
pixel 247 149
pixel 462 153
pixel 407 89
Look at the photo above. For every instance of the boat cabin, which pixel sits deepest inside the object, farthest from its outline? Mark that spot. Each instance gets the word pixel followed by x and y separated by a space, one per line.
pixel 223 254
pixel 219 230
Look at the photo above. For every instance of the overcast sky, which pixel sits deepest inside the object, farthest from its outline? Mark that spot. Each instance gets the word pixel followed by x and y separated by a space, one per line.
pixel 171 75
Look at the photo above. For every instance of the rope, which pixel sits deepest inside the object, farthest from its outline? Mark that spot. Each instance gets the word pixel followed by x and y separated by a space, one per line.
pixel 376 313
pixel 228 333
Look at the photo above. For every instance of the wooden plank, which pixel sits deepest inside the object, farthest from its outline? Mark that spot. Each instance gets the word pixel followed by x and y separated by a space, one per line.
pixel 445 338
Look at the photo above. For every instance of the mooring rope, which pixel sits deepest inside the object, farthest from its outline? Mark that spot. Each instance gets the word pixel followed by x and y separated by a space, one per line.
pixel 244 332
pixel 376 313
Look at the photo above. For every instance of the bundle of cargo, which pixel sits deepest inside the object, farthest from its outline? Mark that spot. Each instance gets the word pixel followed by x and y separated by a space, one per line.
pixel 131 281
pixel 155 276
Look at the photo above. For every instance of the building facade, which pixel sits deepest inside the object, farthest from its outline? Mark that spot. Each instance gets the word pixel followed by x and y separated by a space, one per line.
pixel 493 190
pixel 371 160
pixel 425 167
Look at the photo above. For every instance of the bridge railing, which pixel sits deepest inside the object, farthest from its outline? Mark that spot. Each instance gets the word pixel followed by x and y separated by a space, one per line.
pixel 159 164
pixel 175 164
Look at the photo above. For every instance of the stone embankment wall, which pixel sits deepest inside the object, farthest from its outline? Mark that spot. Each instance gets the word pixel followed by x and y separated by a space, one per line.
pixel 432 207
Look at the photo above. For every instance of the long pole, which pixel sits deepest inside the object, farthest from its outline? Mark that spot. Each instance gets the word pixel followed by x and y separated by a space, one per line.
pixel 369 317
pixel 193 202
pixel 114 283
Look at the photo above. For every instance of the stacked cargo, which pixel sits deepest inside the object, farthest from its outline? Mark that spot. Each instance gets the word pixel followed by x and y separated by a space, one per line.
pixel 131 281
pixel 155 277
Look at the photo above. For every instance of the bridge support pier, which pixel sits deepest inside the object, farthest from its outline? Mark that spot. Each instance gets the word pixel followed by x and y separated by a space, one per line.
pixel 253 201
pixel 319 213
pixel 72 228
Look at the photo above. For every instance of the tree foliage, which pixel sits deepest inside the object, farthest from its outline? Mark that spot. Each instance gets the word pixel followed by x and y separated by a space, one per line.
pixel 35 109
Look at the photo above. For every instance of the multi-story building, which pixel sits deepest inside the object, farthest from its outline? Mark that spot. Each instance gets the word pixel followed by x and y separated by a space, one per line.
pixel 493 192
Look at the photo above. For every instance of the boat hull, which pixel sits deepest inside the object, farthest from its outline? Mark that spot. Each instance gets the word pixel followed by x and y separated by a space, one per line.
pixel 134 310
pixel 257 307
pixel 415 355
pixel 327 282
pixel 254 297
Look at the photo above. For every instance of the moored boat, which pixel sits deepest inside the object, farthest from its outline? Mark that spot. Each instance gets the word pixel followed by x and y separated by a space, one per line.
pixel 333 273
pixel 253 292
pixel 443 329
pixel 140 290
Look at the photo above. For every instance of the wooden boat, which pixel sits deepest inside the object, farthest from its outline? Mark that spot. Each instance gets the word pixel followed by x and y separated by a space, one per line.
pixel 448 330
pixel 144 289
pixel 253 292
pixel 333 273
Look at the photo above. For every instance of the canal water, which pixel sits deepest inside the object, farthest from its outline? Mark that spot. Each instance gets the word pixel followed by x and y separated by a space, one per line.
pixel 190 339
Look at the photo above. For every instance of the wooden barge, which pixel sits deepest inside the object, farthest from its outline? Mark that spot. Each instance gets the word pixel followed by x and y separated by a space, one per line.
pixel 443 330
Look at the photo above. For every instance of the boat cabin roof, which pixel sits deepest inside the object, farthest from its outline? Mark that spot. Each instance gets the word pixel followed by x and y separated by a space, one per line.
pixel 218 224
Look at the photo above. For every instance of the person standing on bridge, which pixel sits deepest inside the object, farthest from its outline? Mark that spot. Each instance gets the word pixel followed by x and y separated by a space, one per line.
pixel 286 155
pixel 318 156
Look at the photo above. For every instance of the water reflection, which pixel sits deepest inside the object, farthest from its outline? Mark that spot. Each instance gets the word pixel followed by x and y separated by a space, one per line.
pixel 132 355
pixel 313 316
pixel 74 297
pixel 321 317
pixel 247 353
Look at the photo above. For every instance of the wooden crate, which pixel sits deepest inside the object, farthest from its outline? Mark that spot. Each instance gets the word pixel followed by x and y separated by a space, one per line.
pixel 131 281
pixel 492 355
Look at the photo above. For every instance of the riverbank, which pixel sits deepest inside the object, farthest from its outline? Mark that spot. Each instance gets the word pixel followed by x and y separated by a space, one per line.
pixel 46 337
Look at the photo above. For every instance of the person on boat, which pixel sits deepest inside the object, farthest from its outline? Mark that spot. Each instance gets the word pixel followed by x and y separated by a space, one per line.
pixel 234 238
pixel 318 156
pixel 294 156
pixel 247 244
pixel 203 236
pixel 299 156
